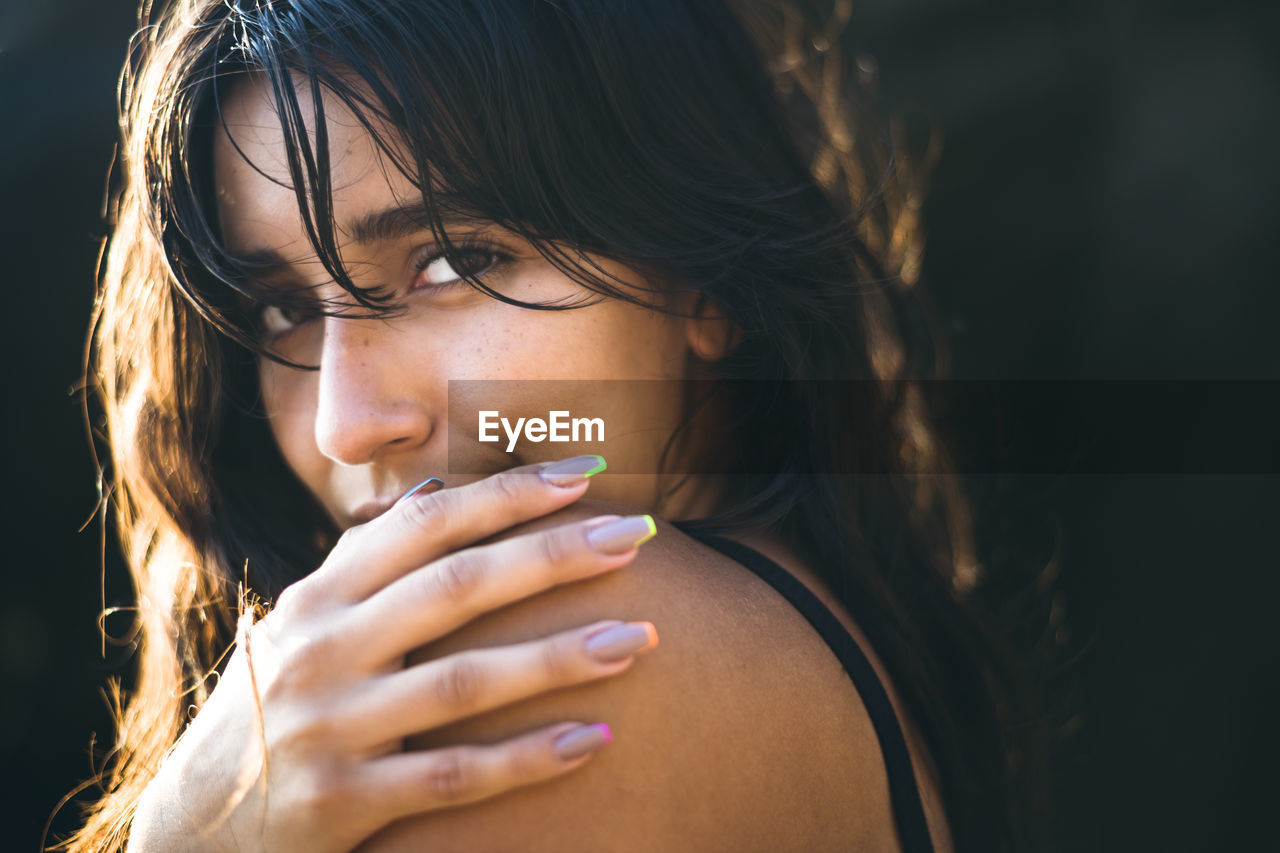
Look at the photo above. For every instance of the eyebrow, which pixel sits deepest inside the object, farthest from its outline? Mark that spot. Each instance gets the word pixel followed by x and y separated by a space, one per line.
pixel 390 223
pixel 400 221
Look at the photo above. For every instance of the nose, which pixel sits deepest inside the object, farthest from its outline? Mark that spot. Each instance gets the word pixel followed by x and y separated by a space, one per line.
pixel 365 404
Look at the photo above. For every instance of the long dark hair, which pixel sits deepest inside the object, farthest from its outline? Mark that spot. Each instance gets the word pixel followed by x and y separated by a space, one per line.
pixel 713 147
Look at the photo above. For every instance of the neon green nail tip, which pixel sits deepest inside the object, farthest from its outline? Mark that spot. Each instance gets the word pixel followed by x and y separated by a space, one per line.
pixel 600 466
pixel 653 530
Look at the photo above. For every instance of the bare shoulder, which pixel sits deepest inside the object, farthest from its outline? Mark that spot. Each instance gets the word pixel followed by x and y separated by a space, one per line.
pixel 741 731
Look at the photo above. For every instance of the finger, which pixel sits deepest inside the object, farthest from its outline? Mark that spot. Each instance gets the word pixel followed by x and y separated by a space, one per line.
pixel 465 684
pixel 438 598
pixel 428 525
pixel 403 784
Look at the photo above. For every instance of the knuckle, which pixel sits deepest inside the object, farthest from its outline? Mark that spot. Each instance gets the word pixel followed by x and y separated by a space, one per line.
pixel 432 513
pixel 554 547
pixel 316 794
pixel 459 683
pixel 306 661
pixel 457 578
pixel 346 540
pixel 506 487
pixel 557 660
pixel 297 666
pixel 451 776
pixel 294 598
pixel 302 734
pixel 348 543
pixel 324 790
pixel 524 761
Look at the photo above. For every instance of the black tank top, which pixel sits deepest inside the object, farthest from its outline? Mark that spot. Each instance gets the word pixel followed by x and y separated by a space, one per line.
pixel 908 811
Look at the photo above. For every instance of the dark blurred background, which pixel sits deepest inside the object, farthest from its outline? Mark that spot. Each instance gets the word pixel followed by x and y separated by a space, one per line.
pixel 1103 208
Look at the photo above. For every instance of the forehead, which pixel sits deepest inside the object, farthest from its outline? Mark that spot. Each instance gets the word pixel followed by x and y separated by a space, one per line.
pixel 257 204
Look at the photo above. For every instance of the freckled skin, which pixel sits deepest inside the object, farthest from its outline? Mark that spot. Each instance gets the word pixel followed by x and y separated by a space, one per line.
pixel 373 420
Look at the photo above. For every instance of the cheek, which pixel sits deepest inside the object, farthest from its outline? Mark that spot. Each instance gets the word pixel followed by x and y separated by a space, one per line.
pixel 635 345
pixel 289 401
pixel 609 341
pixel 607 355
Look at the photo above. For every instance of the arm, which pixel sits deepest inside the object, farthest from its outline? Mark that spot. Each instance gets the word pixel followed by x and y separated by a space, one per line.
pixel 740 732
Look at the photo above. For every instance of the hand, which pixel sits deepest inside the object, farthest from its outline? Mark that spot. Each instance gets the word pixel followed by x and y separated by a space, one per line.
pixel 299 747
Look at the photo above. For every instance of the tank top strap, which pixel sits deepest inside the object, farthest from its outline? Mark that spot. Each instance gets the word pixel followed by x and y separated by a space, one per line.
pixel 908 810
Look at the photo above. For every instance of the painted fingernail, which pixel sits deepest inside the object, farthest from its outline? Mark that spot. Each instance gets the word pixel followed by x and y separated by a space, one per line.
pixel 622 641
pixel 427 486
pixel 584 739
pixel 572 471
pixel 623 534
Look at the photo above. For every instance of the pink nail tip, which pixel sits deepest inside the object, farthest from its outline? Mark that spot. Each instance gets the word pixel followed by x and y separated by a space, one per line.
pixel 576 743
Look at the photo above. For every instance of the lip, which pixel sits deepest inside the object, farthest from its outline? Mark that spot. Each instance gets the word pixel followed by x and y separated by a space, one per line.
pixel 370 510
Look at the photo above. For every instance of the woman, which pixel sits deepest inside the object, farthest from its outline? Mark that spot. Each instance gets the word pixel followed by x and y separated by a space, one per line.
pixel 332 210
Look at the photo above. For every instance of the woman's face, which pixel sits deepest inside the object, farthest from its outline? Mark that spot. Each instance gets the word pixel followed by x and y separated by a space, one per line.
pixel 375 420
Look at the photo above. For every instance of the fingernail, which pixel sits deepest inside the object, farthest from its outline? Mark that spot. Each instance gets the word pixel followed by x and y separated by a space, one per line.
pixel 431 484
pixel 582 740
pixel 623 534
pixel 622 641
pixel 572 471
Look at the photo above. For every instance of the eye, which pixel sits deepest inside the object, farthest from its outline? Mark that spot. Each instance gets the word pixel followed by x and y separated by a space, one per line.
pixel 440 271
pixel 274 320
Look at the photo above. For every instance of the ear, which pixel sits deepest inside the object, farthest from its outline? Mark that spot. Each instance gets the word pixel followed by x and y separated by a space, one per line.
pixel 710 334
